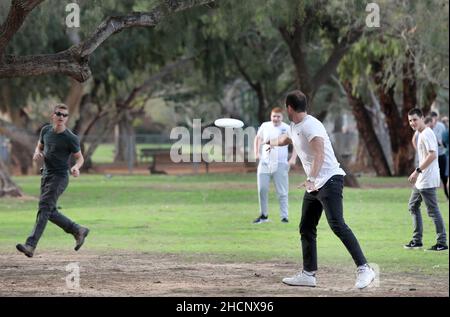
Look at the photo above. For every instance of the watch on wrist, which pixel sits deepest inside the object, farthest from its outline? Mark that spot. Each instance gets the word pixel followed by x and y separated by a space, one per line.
pixel 418 170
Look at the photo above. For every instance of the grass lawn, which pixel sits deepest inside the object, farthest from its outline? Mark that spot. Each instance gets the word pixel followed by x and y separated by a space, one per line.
pixel 212 215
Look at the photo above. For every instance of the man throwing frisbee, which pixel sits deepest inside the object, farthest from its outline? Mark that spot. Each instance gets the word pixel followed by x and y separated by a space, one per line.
pixel 273 164
pixel 324 186
pixel 56 144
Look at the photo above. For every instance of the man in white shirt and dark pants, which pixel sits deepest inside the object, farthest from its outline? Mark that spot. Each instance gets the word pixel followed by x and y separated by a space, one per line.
pixel 272 164
pixel 426 180
pixel 324 186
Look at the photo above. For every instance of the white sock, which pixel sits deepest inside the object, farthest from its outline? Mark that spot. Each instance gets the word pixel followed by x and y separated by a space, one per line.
pixel 363 267
pixel 313 273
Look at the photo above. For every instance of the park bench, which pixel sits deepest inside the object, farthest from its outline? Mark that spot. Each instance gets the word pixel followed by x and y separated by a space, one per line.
pixel 161 161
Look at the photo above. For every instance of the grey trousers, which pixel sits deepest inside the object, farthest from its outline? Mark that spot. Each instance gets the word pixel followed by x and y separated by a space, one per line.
pixel 428 195
pixel 280 175
pixel 52 186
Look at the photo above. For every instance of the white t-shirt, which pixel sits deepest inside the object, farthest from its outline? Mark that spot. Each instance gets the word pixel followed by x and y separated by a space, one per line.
pixel 301 134
pixel 278 154
pixel 429 178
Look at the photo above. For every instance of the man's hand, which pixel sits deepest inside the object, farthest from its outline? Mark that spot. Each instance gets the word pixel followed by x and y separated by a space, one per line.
pixel 413 177
pixel 38 156
pixel 310 187
pixel 75 171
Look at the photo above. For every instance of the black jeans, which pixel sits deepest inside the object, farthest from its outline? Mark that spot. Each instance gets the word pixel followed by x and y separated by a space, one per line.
pixel 329 197
pixel 52 186
pixel 442 161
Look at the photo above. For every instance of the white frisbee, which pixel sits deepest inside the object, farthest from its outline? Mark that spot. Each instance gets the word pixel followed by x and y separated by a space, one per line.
pixel 229 123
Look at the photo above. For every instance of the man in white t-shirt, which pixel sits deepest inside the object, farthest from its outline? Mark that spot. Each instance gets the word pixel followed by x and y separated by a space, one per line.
pixel 272 164
pixel 426 180
pixel 324 186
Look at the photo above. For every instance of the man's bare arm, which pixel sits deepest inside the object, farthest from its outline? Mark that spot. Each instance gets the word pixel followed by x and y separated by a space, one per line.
pixel 38 152
pixel 256 146
pixel 79 161
pixel 282 140
pixel 318 149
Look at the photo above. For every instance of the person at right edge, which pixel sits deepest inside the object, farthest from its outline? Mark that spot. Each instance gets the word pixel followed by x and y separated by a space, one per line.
pixel 426 180
pixel 324 187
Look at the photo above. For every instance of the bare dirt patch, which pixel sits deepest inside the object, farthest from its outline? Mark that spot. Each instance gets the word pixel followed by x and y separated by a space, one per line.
pixel 143 274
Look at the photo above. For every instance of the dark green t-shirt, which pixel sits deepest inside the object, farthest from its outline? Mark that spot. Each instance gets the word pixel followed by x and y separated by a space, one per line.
pixel 57 149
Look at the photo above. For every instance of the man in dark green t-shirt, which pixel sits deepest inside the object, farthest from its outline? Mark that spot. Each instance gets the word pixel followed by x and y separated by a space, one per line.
pixel 56 144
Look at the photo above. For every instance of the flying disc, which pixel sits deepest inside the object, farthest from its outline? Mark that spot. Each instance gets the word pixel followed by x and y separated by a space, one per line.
pixel 229 123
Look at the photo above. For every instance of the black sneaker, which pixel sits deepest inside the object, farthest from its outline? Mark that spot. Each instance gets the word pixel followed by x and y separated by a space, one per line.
pixel 285 220
pixel 80 236
pixel 26 249
pixel 261 219
pixel 438 247
pixel 413 245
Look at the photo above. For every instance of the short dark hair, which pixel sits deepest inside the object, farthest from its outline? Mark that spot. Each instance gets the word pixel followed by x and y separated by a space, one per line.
pixel 434 114
pixel 297 100
pixel 416 111
pixel 428 120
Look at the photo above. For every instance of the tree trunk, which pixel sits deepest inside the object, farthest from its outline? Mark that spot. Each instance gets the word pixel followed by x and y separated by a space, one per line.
pixel 23 157
pixel 400 132
pixel 7 186
pixel 367 132
pixel 404 159
pixel 262 104
pixel 124 136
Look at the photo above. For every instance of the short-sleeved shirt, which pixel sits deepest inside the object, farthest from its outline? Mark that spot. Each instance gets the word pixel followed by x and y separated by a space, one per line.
pixel 439 130
pixel 301 135
pixel 268 131
pixel 57 150
pixel 429 178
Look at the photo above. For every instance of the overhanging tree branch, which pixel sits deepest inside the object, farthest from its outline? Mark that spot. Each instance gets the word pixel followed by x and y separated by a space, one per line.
pixel 335 57
pixel 74 61
pixel 17 14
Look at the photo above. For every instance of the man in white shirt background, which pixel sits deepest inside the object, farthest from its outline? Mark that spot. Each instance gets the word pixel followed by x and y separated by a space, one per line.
pixel 439 130
pixel 426 180
pixel 324 187
pixel 273 165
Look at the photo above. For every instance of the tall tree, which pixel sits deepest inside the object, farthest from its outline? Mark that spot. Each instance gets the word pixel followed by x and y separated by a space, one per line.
pixel 73 61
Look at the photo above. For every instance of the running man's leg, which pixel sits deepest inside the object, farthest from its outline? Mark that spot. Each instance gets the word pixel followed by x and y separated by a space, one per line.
pixel 51 188
pixel 311 212
pixel 331 197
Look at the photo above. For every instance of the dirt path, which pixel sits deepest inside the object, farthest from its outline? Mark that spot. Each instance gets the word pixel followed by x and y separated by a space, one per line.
pixel 140 274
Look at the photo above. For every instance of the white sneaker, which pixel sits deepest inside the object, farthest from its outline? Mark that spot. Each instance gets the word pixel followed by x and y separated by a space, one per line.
pixel 366 276
pixel 301 279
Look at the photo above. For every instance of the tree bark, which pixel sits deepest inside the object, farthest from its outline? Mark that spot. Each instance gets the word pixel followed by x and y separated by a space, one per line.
pixel 124 133
pixel 74 61
pixel 17 14
pixel 367 132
